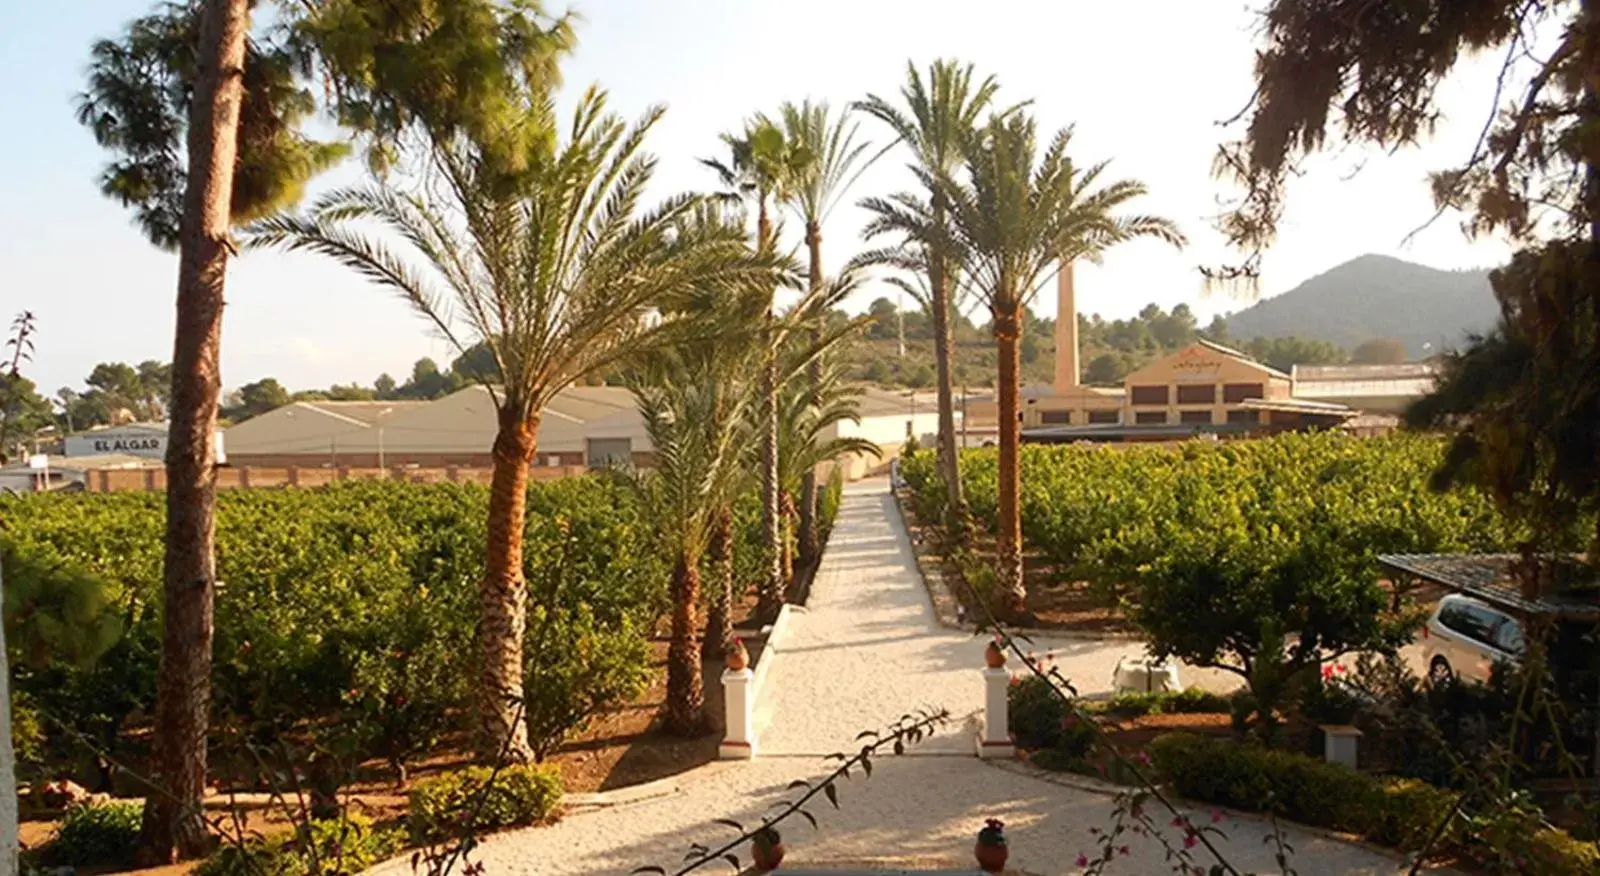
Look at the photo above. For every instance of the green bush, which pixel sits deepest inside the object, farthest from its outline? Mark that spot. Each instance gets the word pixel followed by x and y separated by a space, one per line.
pixel 95 835
pixel 337 847
pixel 456 804
pixel 1041 722
pixel 362 597
pixel 1401 813
pixel 1183 702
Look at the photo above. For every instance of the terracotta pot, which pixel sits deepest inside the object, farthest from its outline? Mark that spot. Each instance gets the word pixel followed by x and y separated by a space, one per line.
pixel 991 859
pixel 737 658
pixel 993 656
pixel 767 857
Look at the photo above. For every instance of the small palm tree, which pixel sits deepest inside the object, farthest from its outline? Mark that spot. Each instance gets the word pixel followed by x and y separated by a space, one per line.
pixel 694 404
pixel 761 170
pixel 1016 216
pixel 828 161
pixel 935 120
pixel 811 412
pixel 555 268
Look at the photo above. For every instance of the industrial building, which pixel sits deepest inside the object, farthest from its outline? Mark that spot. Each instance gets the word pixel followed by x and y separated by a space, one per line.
pixel 583 426
pixel 1205 388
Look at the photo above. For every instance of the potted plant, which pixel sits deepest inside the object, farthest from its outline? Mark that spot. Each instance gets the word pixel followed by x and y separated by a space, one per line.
pixel 766 848
pixel 738 656
pixel 991 850
pixel 993 656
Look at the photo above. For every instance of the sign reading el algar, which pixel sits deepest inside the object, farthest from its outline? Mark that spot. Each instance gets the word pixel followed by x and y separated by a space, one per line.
pixel 136 441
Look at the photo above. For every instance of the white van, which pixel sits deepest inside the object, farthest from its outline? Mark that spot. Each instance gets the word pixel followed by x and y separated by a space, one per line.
pixel 1465 638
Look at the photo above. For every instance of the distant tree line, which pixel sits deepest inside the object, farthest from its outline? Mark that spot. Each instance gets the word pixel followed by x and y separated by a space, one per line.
pixel 1109 349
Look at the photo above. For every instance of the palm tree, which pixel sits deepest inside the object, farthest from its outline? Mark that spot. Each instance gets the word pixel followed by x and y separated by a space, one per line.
pixel 555 268
pixel 937 119
pixel 761 170
pixel 694 405
pixel 830 160
pixel 1016 216
pixel 810 413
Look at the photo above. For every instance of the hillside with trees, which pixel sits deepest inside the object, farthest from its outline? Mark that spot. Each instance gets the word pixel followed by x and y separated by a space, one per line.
pixel 1109 349
pixel 1377 297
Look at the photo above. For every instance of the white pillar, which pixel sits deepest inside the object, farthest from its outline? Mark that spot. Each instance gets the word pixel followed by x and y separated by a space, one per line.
pixel 738 740
pixel 996 739
pixel 1340 744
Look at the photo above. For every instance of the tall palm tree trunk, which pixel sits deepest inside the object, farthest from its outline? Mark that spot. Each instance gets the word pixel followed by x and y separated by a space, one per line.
pixel 1007 333
pixel 949 455
pixel 172 824
pixel 787 514
pixel 719 619
pixel 770 599
pixel 505 594
pixel 685 696
pixel 810 546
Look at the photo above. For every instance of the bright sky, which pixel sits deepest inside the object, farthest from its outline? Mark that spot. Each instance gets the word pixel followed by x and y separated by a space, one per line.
pixel 1144 80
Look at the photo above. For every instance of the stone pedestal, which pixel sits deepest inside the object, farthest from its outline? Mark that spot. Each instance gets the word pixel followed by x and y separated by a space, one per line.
pixel 738 740
pixel 996 738
pixel 1340 744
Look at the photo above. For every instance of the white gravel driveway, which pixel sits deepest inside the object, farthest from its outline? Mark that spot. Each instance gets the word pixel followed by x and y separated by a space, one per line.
pixel 867 651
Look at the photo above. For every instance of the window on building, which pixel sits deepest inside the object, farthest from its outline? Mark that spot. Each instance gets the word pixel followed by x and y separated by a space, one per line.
pixel 1197 395
pixel 1055 418
pixel 1194 417
pixel 1104 417
pixel 1233 393
pixel 1149 395
pixel 1150 418
pixel 1244 418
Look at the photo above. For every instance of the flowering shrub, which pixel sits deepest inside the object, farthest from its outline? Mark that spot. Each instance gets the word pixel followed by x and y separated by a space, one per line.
pixel 1042 723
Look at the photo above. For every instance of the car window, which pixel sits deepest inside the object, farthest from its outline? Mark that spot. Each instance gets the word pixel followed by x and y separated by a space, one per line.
pixel 1508 637
pixel 1473 621
pixel 1484 623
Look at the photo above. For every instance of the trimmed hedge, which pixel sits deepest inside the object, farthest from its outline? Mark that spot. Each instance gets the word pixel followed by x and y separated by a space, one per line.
pixel 1189 701
pixel 454 804
pixel 1395 812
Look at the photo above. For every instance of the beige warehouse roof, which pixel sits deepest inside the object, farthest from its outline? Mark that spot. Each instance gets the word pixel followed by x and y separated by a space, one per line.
pixel 463 422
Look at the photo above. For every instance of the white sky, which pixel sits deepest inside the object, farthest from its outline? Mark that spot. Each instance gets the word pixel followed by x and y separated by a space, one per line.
pixel 1144 80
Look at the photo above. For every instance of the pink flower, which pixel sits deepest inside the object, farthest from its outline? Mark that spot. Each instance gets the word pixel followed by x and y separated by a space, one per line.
pixel 1189 841
pixel 1143 757
pixel 1216 816
pixel 1177 821
pixel 1327 672
pixel 1083 860
pixel 1123 851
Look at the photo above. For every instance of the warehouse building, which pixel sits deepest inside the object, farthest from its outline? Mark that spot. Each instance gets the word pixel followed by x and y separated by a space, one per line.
pixel 584 426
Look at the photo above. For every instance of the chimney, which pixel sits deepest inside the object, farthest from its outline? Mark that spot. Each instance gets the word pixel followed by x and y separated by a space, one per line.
pixel 1066 331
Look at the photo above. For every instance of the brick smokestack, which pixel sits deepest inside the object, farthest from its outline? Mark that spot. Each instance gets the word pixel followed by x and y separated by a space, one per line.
pixel 1066 331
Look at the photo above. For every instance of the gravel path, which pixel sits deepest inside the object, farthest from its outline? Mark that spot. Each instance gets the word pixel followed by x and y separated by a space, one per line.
pixel 867 651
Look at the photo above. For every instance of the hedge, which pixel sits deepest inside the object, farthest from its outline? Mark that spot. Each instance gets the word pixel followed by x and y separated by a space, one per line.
pixel 1396 812
pixel 455 804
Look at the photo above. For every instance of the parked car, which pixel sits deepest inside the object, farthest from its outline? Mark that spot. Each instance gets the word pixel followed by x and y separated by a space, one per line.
pixel 1465 638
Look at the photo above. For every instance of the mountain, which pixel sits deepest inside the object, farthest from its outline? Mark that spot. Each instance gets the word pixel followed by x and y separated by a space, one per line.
pixel 1377 296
